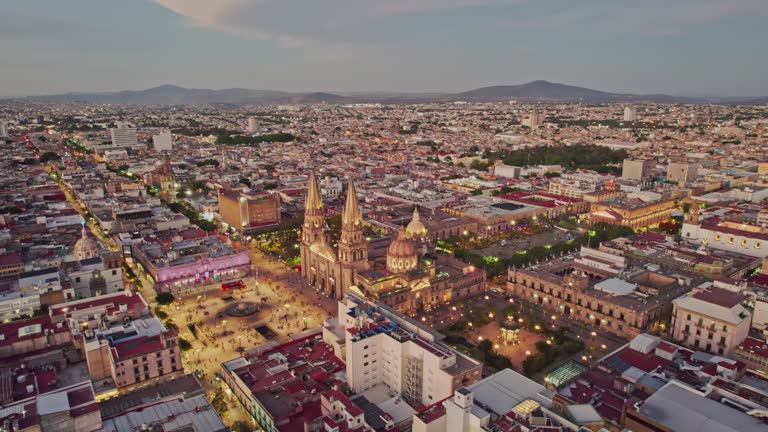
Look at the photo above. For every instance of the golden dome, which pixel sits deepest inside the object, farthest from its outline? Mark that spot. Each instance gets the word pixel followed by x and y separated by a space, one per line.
pixel 415 228
pixel 401 247
pixel 86 247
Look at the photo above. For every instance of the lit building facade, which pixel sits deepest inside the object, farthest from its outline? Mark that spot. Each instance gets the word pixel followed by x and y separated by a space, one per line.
pixel 247 212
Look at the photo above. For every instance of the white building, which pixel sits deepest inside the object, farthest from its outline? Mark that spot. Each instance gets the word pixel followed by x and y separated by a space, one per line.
pixel 124 136
pixel 503 401
pixel 745 239
pixel 16 304
pixel 3 128
pixel 162 141
pixel 630 114
pixel 330 188
pixel 95 278
pixel 381 347
pixel 711 319
pixel 253 125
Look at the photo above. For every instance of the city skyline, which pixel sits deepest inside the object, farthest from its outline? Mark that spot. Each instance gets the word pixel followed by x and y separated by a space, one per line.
pixel 427 46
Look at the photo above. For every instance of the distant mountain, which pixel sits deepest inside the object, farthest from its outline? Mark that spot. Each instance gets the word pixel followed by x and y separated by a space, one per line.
pixel 548 91
pixel 540 90
pixel 171 95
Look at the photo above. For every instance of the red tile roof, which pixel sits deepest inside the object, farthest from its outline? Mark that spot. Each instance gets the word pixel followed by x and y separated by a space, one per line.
pixel 720 297
pixel 130 348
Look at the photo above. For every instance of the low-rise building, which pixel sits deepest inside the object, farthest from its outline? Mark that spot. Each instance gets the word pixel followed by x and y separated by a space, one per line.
pixel 711 319
pixel 586 287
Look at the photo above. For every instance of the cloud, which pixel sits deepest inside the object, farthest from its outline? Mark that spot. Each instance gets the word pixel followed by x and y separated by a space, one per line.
pixel 646 18
pixel 307 23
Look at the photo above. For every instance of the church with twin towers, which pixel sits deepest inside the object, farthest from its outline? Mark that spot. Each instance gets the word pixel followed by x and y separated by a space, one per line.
pixel 409 277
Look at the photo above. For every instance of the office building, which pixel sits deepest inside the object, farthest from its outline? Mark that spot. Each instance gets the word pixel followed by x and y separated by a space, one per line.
pixel 253 125
pixel 124 136
pixel 637 170
pixel 630 114
pixel 682 172
pixel 249 212
pixel 534 120
pixel 4 129
pixel 162 141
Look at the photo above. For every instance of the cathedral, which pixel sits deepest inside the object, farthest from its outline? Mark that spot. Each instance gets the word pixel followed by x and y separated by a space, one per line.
pixel 400 272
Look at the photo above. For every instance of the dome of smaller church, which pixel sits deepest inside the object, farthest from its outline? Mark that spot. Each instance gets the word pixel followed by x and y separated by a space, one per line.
pixel 415 229
pixel 86 247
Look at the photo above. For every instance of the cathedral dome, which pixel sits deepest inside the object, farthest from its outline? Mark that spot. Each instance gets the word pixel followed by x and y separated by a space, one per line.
pixel 86 247
pixel 401 254
pixel 401 247
pixel 415 229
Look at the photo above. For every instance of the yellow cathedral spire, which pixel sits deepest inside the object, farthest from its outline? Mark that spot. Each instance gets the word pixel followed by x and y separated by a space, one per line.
pixel 351 213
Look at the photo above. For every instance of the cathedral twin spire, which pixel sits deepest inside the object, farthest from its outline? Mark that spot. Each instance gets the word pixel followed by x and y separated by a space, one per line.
pixel 351 215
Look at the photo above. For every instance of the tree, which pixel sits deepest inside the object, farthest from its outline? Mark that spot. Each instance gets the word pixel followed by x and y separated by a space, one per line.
pixel 184 345
pixel 164 298
pixel 208 162
pixel 476 192
pixel 49 156
pixel 240 426
pixel 219 403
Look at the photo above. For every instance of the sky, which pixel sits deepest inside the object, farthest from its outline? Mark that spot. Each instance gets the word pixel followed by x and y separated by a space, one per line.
pixel 679 47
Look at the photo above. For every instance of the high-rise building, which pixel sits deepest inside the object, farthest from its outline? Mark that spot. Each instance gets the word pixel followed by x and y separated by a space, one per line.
pixel 3 129
pixel 534 120
pixel 682 172
pixel 249 211
pixel 253 125
pixel 383 347
pixel 162 141
pixel 636 169
pixel 630 114
pixel 124 136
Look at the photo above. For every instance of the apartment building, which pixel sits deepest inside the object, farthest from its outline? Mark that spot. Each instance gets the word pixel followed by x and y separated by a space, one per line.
pixel 382 347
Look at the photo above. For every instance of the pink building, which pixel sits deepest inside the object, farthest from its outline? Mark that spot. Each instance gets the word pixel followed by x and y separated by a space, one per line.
pixel 185 266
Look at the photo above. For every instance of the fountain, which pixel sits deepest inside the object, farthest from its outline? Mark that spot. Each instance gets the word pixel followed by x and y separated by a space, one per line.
pixel 241 309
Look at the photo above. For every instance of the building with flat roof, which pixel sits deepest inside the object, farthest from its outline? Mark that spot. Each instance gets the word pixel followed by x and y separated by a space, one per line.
pixel 380 346
pixel 638 170
pixel 600 290
pixel 186 265
pixel 679 408
pixel 504 402
pixel 249 212
pixel 124 136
